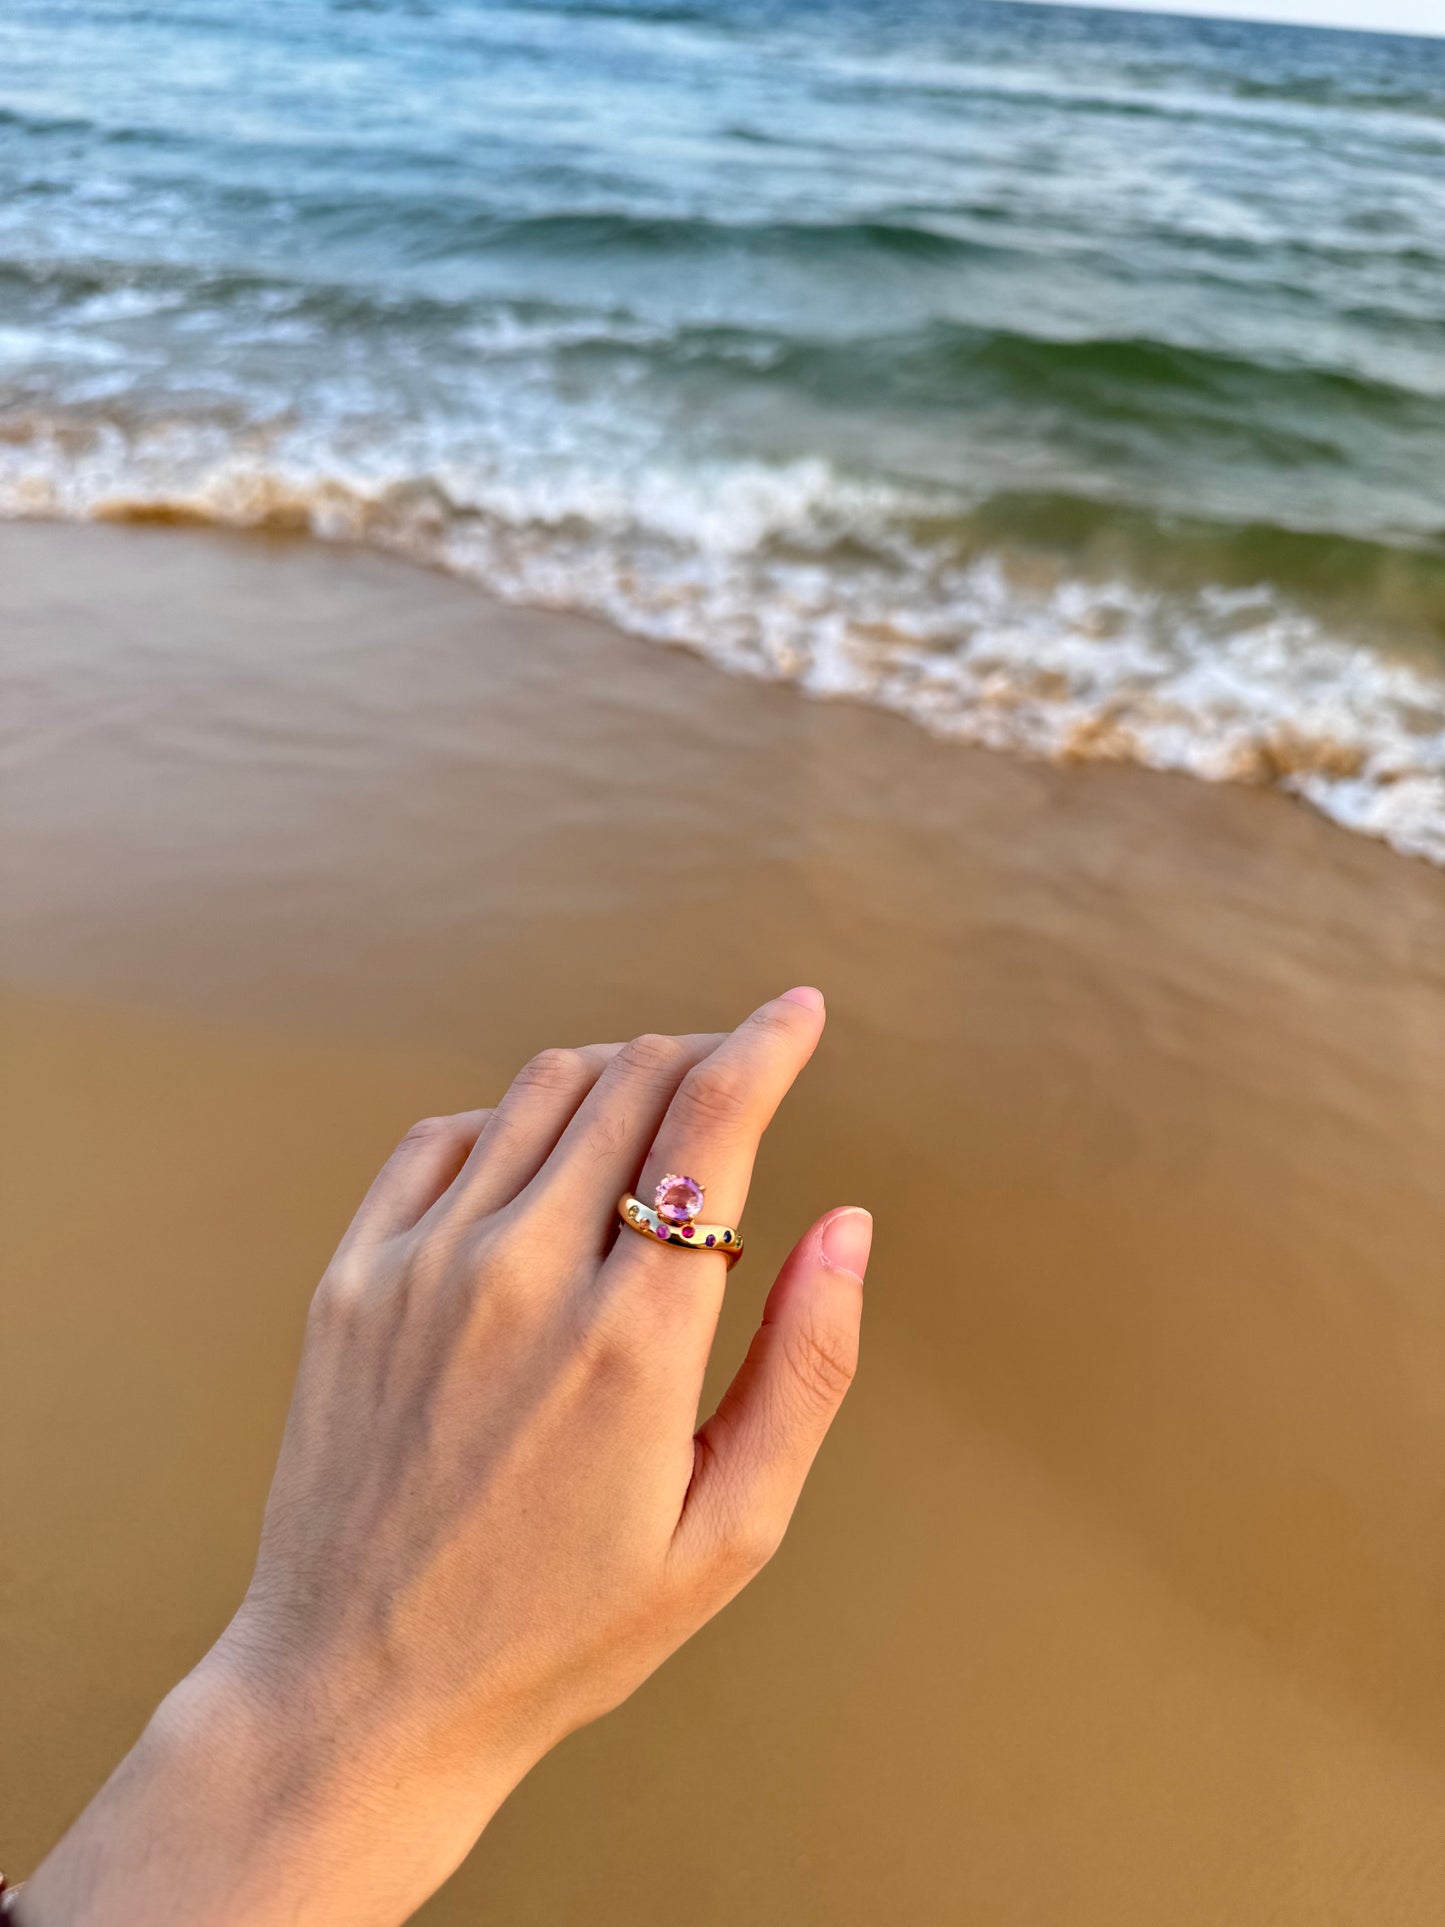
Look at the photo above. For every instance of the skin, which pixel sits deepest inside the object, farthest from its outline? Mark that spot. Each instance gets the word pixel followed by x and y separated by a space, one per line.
pixel 493 1515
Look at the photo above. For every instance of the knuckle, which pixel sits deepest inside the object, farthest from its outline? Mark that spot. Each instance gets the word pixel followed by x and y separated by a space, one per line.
pixel 715 1094
pixel 497 1263
pixel 606 1136
pixel 775 1019
pixel 551 1071
pixel 652 1054
pixel 343 1291
pixel 823 1364
pixel 449 1132
pixel 426 1253
pixel 496 1252
pixel 750 1545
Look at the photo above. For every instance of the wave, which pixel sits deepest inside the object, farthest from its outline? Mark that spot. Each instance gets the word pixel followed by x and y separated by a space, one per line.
pixel 952 362
pixel 1142 362
pixel 1413 118
pixel 1179 92
pixel 647 13
pixel 1265 108
pixel 1038 624
pixel 1170 376
pixel 1392 586
pixel 12 117
pixel 607 230
pixel 1333 90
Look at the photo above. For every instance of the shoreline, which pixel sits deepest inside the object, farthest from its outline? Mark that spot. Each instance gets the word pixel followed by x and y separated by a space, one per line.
pixel 295 654
pixel 1048 664
pixel 1118 1596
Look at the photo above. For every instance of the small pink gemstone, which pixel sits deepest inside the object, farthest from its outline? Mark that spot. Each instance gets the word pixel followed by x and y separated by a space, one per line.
pixel 662 1231
pixel 687 1230
pixel 678 1200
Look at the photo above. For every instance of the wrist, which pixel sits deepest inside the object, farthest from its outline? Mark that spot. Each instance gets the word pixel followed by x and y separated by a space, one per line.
pixel 210 1818
pixel 243 1806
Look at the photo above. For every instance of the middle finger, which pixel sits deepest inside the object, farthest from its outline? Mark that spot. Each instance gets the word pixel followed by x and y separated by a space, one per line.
pixel 599 1153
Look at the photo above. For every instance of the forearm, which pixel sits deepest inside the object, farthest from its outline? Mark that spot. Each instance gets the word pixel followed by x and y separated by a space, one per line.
pixel 230 1813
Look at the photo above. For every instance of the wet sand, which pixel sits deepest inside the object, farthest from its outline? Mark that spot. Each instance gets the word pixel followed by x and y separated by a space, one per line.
pixel 1119 1596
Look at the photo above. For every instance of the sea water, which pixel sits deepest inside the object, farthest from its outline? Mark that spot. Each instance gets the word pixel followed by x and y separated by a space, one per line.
pixel 1072 382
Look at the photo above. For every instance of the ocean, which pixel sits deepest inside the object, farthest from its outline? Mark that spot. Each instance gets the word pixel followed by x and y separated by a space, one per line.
pixel 1071 382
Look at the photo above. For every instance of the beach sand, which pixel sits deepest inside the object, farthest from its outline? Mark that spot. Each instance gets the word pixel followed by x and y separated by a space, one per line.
pixel 1119 1594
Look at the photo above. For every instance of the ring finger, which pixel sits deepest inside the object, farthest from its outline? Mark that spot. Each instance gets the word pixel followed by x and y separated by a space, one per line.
pixel 710 1133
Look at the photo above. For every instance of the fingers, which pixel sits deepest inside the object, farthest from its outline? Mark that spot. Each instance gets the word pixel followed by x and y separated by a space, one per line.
pixel 711 1130
pixel 722 1107
pixel 599 1153
pixel 523 1131
pixel 752 1456
pixel 416 1174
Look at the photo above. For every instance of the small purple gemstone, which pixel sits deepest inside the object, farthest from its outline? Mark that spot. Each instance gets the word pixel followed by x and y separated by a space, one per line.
pixel 678 1200
pixel 662 1231
pixel 709 1239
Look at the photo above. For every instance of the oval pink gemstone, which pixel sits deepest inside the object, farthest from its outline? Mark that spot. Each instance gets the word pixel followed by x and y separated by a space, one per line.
pixel 678 1200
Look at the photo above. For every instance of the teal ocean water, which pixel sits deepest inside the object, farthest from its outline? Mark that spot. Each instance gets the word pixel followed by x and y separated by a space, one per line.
pixel 1071 382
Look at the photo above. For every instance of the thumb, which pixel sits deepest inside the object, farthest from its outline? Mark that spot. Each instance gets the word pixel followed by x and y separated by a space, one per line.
pixel 753 1454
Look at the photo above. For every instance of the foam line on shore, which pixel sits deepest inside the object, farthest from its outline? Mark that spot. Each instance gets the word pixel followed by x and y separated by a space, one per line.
pixel 799 573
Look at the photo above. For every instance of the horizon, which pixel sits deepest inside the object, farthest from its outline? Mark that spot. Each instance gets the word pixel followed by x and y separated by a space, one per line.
pixel 1418 19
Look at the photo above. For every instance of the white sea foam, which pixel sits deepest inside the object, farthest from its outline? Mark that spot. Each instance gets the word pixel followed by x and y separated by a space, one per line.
pixel 793 571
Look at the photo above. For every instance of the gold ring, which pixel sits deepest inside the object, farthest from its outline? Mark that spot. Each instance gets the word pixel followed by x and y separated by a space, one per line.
pixel 672 1219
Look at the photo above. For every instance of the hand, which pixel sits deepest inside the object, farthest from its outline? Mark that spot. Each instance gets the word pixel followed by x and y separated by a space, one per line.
pixel 492 1517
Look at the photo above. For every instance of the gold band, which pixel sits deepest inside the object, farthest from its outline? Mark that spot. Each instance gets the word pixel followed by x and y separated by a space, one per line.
pixel 641 1217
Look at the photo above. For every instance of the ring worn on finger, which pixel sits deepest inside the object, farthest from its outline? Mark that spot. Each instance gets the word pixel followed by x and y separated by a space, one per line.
pixel 672 1219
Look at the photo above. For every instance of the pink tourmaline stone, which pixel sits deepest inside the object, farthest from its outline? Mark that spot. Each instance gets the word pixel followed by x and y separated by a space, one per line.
pixel 678 1200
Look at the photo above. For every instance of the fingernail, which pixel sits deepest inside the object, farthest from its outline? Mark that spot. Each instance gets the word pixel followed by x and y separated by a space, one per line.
pixel 805 995
pixel 847 1239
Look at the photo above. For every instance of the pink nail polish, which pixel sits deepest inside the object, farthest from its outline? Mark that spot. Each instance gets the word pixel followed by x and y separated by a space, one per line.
pixel 847 1239
pixel 805 995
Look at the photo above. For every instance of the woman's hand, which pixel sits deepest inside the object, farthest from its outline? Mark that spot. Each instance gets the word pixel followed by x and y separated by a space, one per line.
pixel 492 1517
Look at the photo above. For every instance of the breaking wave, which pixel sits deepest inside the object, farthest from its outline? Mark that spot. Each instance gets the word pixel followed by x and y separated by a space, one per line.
pixel 1047 627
